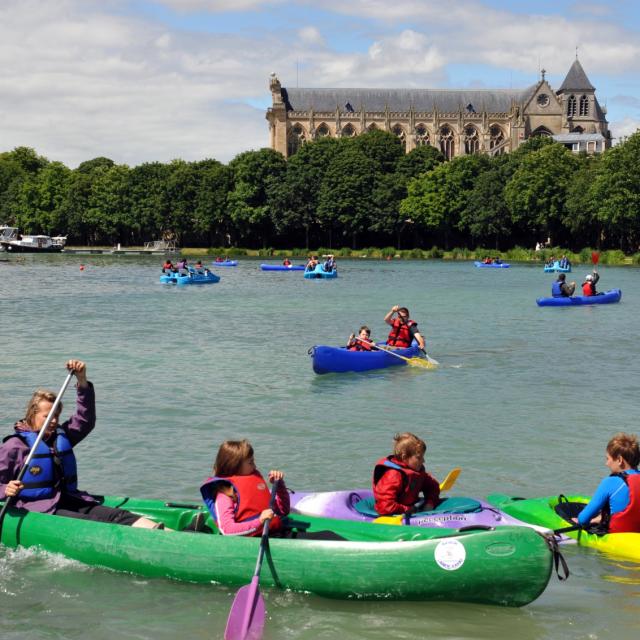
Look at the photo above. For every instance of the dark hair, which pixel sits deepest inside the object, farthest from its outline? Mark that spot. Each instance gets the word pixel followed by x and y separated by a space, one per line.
pixel 562 277
pixel 404 310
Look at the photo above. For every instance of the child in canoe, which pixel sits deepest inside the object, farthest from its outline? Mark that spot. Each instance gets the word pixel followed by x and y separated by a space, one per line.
pixel 616 502
pixel 399 479
pixel 362 342
pixel 237 495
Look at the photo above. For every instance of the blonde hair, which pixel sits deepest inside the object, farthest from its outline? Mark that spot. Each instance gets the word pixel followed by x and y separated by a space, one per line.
pixel 32 406
pixel 626 446
pixel 407 445
pixel 231 455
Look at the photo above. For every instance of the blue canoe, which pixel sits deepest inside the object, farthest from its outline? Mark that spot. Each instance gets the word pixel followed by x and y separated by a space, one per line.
pixel 556 268
pixel 608 297
pixel 340 360
pixel 226 263
pixel 282 267
pixel 319 272
pixel 493 265
pixel 191 278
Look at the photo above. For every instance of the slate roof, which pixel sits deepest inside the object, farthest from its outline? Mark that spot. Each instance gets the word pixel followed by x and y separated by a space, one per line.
pixel 445 101
pixel 579 137
pixel 576 80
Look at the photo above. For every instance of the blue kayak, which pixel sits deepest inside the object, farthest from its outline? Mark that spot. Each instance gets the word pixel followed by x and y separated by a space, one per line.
pixel 340 360
pixel 556 268
pixel 319 272
pixel 282 267
pixel 608 297
pixel 192 277
pixel 225 263
pixel 492 265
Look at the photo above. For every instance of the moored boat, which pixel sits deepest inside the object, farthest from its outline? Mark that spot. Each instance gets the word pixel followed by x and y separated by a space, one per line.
pixel 326 359
pixel 358 504
pixel 506 566
pixel 282 267
pixel 547 512
pixel 491 265
pixel 608 297
pixel 13 242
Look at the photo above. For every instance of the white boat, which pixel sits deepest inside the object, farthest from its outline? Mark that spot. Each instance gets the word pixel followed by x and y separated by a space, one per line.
pixel 13 242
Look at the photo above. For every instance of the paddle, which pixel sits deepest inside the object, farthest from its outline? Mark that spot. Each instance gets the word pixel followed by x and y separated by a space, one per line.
pixel 595 258
pixel 445 485
pixel 27 462
pixel 574 527
pixel 428 363
pixel 246 618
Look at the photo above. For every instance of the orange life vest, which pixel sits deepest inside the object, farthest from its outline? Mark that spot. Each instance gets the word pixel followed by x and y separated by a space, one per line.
pixel 400 334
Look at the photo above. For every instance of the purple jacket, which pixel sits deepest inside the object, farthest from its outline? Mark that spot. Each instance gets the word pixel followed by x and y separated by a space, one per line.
pixel 14 452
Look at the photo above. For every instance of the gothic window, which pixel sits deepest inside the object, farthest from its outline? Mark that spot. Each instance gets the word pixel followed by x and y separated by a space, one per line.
pixel 542 131
pixel 471 140
pixel 422 136
pixel 496 137
pixel 398 131
pixel 348 131
pixel 446 142
pixel 584 106
pixel 322 131
pixel 295 139
pixel 571 106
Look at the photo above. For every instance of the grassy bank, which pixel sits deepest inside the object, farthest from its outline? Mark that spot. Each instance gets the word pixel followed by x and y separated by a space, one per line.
pixel 518 254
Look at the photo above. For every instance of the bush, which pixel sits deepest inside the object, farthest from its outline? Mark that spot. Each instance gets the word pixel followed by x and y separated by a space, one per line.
pixel 344 252
pixel 388 251
pixel 614 256
pixel 635 258
pixel 265 253
pixel 585 255
pixel 435 253
pixel 520 254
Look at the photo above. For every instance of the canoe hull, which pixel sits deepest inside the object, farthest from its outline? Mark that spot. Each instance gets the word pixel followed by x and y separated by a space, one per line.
pixel 482 265
pixel 193 278
pixel 509 566
pixel 608 297
pixel 226 263
pixel 327 359
pixel 541 511
pixel 281 267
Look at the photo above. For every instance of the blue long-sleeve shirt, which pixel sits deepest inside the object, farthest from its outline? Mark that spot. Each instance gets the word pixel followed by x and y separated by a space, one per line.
pixel 612 490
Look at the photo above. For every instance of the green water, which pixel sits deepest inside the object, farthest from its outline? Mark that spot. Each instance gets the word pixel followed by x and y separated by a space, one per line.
pixel 525 401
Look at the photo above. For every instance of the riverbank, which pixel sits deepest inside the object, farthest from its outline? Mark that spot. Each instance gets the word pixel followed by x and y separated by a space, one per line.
pixel 517 254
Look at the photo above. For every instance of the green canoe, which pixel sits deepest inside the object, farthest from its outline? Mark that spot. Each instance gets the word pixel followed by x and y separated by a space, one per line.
pixel 542 511
pixel 506 566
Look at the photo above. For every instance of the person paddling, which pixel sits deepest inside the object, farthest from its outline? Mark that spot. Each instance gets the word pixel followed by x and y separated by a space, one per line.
pixel 50 484
pixel 589 284
pixel 362 342
pixel 561 288
pixel 403 330
pixel 616 502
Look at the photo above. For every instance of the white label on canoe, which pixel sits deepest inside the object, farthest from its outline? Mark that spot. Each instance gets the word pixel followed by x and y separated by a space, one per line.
pixel 450 554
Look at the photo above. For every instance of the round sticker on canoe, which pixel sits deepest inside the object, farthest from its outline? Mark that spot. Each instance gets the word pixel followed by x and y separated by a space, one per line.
pixel 450 554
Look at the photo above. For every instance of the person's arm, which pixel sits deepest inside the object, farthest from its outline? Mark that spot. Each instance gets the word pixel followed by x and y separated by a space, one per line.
pixel 430 491
pixel 386 494
pixel 225 512
pixel 283 504
pixel 12 457
pixel 82 422
pixel 417 335
pixel 596 277
pixel 599 499
pixel 389 315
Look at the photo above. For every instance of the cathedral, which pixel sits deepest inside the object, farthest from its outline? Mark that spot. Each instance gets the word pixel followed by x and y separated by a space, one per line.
pixel 457 122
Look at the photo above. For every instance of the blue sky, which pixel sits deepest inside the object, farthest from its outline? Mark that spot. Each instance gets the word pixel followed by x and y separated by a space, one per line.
pixel 145 80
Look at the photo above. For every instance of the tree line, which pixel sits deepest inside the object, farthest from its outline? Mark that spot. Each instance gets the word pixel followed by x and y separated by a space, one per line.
pixel 352 192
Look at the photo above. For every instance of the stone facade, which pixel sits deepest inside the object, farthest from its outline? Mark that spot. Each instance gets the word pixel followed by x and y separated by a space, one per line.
pixel 458 122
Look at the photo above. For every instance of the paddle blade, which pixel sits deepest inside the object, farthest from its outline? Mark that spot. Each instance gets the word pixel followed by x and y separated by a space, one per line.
pixel 389 520
pixel 595 257
pixel 450 480
pixel 420 362
pixel 247 615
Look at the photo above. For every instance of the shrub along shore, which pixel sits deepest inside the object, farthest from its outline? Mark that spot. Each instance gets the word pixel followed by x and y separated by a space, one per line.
pixel 517 254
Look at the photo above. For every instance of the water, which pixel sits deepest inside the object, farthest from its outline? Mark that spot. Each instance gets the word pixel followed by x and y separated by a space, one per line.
pixel 525 402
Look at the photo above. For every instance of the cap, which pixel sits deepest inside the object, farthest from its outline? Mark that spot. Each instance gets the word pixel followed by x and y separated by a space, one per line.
pixel 588 277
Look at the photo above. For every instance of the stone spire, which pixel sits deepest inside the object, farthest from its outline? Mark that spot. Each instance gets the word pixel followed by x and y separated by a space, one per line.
pixel 576 80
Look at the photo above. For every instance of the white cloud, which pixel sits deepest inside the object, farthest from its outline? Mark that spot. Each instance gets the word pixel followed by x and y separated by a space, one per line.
pixel 310 35
pixel 624 128
pixel 218 6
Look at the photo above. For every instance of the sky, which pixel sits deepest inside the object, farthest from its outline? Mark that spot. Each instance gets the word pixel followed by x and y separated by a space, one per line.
pixel 155 80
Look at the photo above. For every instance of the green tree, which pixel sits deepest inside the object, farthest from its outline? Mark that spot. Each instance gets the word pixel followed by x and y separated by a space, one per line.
pixel 381 147
pixel 419 161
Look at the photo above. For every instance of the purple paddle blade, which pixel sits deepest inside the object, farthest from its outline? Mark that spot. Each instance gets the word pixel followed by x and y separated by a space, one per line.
pixel 246 618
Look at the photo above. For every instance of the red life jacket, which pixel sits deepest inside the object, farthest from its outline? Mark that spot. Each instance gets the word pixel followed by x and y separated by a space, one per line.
pixel 252 498
pixel 400 334
pixel 588 289
pixel 358 345
pixel 412 480
pixel 628 521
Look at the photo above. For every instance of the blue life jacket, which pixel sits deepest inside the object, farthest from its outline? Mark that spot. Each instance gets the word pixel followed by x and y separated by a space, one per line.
pixel 556 290
pixel 48 470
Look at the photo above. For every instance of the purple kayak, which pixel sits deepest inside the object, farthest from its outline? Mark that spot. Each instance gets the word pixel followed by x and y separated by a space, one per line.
pixel 358 504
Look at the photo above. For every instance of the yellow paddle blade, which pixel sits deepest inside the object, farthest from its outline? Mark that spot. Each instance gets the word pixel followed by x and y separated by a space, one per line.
pixel 389 520
pixel 420 362
pixel 450 479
